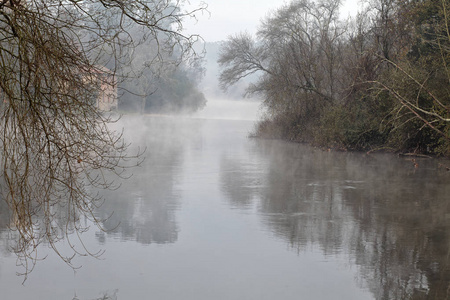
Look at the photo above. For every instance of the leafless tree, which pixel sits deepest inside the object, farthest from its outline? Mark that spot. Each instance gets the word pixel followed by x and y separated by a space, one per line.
pixel 298 53
pixel 55 145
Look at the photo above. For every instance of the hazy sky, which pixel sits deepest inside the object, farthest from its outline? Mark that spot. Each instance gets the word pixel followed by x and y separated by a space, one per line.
pixel 228 17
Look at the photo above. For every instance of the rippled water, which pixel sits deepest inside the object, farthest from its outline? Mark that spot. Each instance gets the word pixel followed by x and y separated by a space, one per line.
pixel 212 214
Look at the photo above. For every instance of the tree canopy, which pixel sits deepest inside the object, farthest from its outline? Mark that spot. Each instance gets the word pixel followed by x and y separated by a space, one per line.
pixel 377 81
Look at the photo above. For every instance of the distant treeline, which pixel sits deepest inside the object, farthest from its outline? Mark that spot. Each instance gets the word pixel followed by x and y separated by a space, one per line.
pixel 173 90
pixel 379 81
pixel 157 79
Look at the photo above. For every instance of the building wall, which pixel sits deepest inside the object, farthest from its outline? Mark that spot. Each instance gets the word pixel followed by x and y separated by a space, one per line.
pixel 107 99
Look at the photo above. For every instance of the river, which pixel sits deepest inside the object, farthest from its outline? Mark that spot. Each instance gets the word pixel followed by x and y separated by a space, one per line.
pixel 213 214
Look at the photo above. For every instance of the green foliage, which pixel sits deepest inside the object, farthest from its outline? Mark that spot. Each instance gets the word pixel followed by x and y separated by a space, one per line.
pixel 352 127
pixel 418 83
pixel 416 126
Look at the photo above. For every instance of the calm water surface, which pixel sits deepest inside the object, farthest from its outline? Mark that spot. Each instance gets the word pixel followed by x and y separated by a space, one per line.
pixel 212 214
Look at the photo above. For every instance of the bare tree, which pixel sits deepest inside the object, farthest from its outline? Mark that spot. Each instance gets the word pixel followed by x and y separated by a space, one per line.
pixel 298 51
pixel 299 42
pixel 241 56
pixel 55 145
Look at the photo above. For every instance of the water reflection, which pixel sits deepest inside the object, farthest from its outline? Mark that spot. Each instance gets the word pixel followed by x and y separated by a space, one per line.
pixel 6 236
pixel 109 295
pixel 391 218
pixel 251 219
pixel 144 206
pixel 239 180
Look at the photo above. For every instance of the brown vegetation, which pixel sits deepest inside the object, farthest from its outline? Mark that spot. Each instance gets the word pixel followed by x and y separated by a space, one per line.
pixel 381 80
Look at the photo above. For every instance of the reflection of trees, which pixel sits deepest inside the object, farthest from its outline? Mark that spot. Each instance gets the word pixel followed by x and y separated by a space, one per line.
pixel 407 235
pixel 233 177
pixel 144 207
pixel 108 295
pixel 6 242
pixel 10 237
pixel 392 219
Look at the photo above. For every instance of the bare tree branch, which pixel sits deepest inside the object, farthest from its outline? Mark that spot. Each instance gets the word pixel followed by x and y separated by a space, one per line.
pixel 56 146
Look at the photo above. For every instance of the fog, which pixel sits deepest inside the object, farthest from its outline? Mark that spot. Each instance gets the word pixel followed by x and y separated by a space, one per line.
pixel 211 213
pixel 230 110
pixel 206 212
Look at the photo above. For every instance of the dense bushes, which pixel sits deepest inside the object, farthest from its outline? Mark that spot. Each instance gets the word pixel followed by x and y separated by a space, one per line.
pixel 381 81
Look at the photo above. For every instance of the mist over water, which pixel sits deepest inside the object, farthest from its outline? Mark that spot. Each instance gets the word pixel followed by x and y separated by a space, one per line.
pixel 212 214
pixel 220 108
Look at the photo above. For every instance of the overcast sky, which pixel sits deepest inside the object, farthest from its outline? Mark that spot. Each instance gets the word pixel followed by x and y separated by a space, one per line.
pixel 228 17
